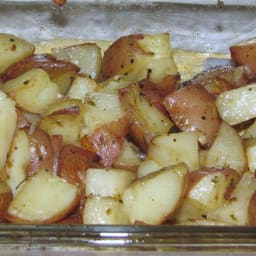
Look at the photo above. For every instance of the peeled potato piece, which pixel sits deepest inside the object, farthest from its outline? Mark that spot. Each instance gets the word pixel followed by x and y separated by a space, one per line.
pixel 227 150
pixel 108 182
pixel 104 211
pixel 155 197
pixel 44 198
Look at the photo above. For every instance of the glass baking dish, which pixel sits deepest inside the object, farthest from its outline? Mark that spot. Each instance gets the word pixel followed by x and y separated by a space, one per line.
pixel 203 26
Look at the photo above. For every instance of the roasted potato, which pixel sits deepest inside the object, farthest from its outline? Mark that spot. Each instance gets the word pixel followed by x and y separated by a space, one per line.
pixel 192 108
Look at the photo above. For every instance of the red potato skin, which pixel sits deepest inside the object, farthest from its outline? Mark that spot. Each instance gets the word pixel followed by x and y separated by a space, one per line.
pixel 41 152
pixel 46 62
pixel 73 163
pixel 192 108
pixel 107 141
pixel 195 177
pixel 155 92
pixel 124 51
pixel 244 55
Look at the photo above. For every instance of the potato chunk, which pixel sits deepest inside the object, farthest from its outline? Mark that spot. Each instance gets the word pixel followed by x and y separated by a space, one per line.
pixel 33 91
pixel 193 108
pixel 13 49
pixel 8 120
pixel 237 105
pixel 44 198
pixel 155 197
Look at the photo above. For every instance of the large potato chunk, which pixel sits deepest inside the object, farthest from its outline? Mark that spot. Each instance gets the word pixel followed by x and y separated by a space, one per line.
pixel 104 211
pixel 237 105
pixel 139 57
pixel 155 197
pixel 8 120
pixel 86 56
pixel 175 148
pixel 227 150
pixel 60 72
pixel 13 49
pixel 44 198
pixel 109 182
pixel 33 91
pixel 193 108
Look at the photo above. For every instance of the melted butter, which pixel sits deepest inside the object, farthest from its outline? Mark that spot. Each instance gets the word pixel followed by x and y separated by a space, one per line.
pixel 188 63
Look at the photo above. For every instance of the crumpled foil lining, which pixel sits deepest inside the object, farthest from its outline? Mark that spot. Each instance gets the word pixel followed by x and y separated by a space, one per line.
pixel 204 28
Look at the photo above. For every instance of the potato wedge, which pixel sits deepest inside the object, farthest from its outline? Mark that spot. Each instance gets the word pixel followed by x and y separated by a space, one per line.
pixel 154 198
pixel 235 106
pixel 148 166
pixel 104 211
pixel 174 148
pixel 13 49
pixel 227 150
pixel 44 198
pixel 8 121
pixel 33 91
pixel 60 72
pixel 108 182
pixel 14 172
pixel 250 150
pixel 86 56
pixel 192 108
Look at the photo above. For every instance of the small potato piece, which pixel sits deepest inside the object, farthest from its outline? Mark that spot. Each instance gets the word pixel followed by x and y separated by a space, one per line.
pixel 86 56
pixel 44 198
pixel 14 171
pixel 192 108
pixel 227 150
pixel 64 117
pixel 236 211
pixel 110 182
pixel 155 197
pixel 148 166
pixel 146 120
pixel 13 49
pixel 210 188
pixel 252 210
pixel 33 91
pixel 81 86
pixel 8 120
pixel 60 72
pixel 244 54
pixel 237 105
pixel 5 199
pixel 250 149
pixel 104 211
pixel 101 108
pixel 174 148
pixel 129 157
